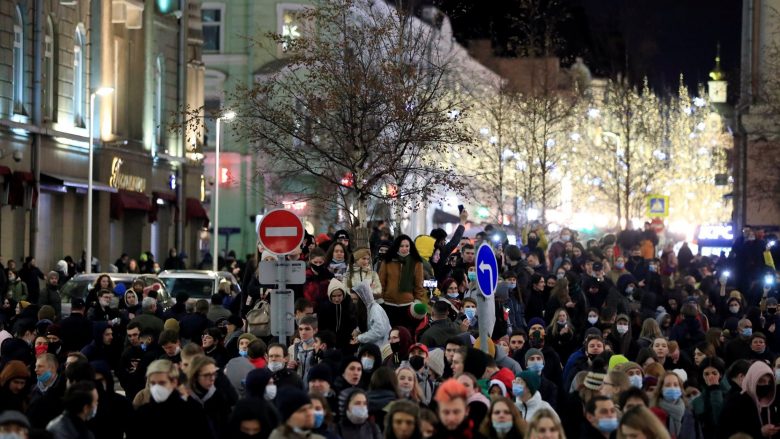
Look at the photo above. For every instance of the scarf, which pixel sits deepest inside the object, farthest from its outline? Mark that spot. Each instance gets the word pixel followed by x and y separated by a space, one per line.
pixel 202 395
pixel 675 410
pixel 407 274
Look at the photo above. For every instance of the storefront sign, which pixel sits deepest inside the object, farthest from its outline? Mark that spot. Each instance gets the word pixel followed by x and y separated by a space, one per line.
pixel 125 181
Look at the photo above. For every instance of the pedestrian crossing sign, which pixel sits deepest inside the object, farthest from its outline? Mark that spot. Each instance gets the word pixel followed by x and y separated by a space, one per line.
pixel 657 206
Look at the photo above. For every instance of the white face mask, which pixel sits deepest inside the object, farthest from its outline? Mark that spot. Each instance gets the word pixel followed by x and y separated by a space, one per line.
pixel 593 320
pixel 622 329
pixel 270 392
pixel 160 393
pixel 275 366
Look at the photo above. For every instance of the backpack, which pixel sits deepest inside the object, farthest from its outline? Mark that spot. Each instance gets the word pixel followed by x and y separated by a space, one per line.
pixel 259 319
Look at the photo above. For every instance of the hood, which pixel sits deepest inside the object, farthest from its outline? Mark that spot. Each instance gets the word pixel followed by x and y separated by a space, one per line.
pixel 363 290
pixel 425 246
pixel 624 280
pixel 505 375
pixel 372 349
pixel 749 384
pixel 97 332
pixel 500 384
pixel 62 266
pixel 660 317
pixel 334 285
pixel 104 369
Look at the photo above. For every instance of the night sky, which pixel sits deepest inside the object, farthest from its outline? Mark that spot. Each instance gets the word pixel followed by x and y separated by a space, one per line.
pixel 659 39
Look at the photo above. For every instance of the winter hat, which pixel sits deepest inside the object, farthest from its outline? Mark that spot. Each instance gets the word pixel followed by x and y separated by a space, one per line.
pixel 532 380
pixel 47 312
pixel 14 417
pixel 248 336
pixel 55 330
pixel 290 401
pixel 256 380
pixel 12 370
pixel 425 245
pixel 418 310
pixel 594 380
pixel 491 346
pixel 334 285
pixel 498 383
pixel 438 234
pixel 361 253
pixel 341 234
pixel 536 321
pixel 475 362
pixel 267 254
pixel 616 360
pixel 120 289
pixel 171 325
pixel 345 362
pixel 421 347
pixel 320 372
pixel 436 361
pixel 532 351
pixel 625 367
pixel 682 374
pixel 62 266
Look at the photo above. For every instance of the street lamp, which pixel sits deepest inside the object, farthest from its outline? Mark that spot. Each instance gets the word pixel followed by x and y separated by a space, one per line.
pixel 227 116
pixel 102 91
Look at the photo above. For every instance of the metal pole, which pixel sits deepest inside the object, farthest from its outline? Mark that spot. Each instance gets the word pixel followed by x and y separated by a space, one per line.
pixel 281 287
pixel 482 316
pixel 215 251
pixel 88 262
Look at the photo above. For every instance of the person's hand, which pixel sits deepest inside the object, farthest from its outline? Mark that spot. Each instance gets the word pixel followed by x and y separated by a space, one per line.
pixel 570 304
pixel 292 364
pixel 711 380
pixel 354 341
pixel 464 325
pixel 769 430
pixel 464 217
pixel 565 329
pixel 772 328
pixel 641 283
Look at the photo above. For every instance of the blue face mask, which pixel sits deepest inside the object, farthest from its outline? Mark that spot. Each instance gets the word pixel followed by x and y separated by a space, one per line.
pixel 512 285
pixel 636 381
pixel 319 418
pixel 671 394
pixel 747 332
pixel 453 295
pixel 143 347
pixel 536 366
pixel 518 389
pixel 652 269
pixel 470 313
pixel 45 377
pixel 243 353
pixel 502 427
pixel 608 425
pixel 472 275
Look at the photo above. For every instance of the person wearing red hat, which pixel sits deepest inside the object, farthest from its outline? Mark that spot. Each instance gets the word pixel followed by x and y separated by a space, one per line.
pixel 418 359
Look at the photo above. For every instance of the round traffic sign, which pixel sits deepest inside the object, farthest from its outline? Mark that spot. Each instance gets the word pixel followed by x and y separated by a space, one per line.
pixel 280 231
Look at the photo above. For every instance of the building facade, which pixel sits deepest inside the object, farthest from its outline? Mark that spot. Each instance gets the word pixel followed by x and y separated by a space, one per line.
pixel 148 183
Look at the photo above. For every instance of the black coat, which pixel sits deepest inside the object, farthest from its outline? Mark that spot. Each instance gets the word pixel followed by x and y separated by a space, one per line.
pixel 174 418
pixel 76 332
pixel 191 326
pixel 741 415
pixel 46 406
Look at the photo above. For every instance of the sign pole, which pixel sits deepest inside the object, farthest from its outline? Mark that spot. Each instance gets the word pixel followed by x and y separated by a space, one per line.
pixel 487 280
pixel 281 287
pixel 482 316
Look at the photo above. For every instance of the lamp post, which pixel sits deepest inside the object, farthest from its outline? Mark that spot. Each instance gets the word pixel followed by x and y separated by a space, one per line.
pixel 102 91
pixel 227 116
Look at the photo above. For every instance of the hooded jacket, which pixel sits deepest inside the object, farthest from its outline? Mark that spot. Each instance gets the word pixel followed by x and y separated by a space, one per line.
pixel 745 413
pixel 339 318
pixel 378 323
pixel 529 408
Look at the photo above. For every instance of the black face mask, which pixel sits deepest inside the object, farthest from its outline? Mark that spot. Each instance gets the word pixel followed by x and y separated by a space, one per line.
pixel 764 390
pixel 771 311
pixel 417 362
pixel 395 346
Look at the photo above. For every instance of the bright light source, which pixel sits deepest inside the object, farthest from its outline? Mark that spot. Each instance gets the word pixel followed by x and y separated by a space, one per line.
pixel 700 126
pixel 575 137
pixel 593 113
pixel 229 115
pixel 532 214
pixel 484 131
pixel 550 143
pixel 104 91
pixel 493 140
pixel 699 102
pixel 160 201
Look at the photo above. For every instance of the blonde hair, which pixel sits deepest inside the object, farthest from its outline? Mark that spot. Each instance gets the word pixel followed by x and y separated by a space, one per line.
pixel 641 418
pixel 542 414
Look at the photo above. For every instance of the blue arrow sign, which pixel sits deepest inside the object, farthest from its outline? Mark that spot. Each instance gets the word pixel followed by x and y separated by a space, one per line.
pixel 487 269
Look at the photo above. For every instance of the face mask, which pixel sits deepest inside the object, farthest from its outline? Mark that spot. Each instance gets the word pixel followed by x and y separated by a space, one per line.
pixel 319 418
pixel 636 381
pixel 308 340
pixel 405 392
pixel 747 332
pixel 417 362
pixel 367 363
pixel 45 377
pixel 560 276
pixel 470 313
pixel 608 425
pixel 734 309
pixel 620 265
pixel 536 366
pixel 565 238
pixel 652 269
pixel 777 375
pixel 512 285
pixel 502 427
pixel 622 329
pixel 243 353
pixel 300 431
pixel 358 414
pixel 561 322
pixel 275 366
pixel 160 393
pixel 453 295
pixel 395 346
pixel 144 347
pixel 11 436
pixel 472 275
pixel 763 391
pixel 518 389
pixel 629 290
pixel 270 392
pixel 92 413
pixel 41 349
pixel 671 394
pixel 593 320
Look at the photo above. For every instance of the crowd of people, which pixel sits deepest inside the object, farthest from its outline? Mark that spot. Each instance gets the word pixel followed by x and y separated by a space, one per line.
pixel 601 338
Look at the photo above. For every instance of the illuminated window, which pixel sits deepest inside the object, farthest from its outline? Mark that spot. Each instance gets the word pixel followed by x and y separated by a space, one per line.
pixel 18 62
pixel 48 69
pixel 78 78
pixel 291 23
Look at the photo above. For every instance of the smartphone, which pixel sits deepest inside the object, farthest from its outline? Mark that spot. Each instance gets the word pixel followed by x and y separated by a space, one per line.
pixel 460 208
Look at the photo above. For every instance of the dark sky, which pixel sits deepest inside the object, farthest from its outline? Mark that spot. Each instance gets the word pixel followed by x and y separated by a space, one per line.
pixel 659 39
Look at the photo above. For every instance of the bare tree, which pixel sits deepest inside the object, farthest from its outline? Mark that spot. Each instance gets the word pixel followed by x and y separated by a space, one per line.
pixel 362 112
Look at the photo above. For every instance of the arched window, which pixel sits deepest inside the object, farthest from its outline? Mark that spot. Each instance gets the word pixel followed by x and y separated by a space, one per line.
pixel 159 73
pixel 78 77
pixel 18 86
pixel 48 70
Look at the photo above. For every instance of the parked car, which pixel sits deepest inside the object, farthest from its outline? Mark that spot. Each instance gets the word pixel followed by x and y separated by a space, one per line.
pixel 80 285
pixel 198 284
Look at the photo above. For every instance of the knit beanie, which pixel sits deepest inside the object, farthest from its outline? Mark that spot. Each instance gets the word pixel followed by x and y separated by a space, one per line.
pixel 361 253
pixel 536 321
pixel 594 380
pixel 436 361
pixel 628 365
pixel 418 310
pixel 171 325
pixel 247 336
pixel 616 360
pixel 531 352
pixel 532 380
pixel 320 372
pixel 491 346
pixel 290 401
pixel 256 380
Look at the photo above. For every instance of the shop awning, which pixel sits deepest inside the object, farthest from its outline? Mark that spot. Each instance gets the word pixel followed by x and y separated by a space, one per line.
pixel 79 183
pixel 127 200
pixel 5 171
pixel 195 210
pixel 442 217
pixel 165 196
pixel 22 190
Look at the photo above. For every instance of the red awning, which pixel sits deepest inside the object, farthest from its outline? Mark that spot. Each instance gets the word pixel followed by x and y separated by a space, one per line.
pixel 128 200
pixel 17 195
pixel 5 171
pixel 166 196
pixel 195 210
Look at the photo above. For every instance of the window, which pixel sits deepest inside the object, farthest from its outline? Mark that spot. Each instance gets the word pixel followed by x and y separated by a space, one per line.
pixel 18 88
pixel 212 16
pixel 159 72
pixel 78 77
pixel 48 70
pixel 291 24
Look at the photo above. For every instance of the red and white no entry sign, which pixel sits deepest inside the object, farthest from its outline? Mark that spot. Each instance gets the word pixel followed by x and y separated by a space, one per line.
pixel 281 231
